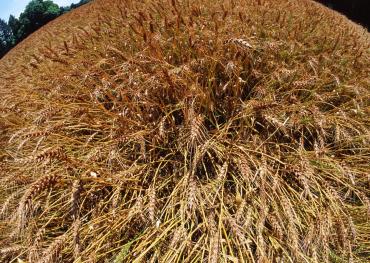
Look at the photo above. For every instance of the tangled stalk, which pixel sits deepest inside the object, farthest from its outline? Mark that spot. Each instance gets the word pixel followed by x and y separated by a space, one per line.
pixel 187 131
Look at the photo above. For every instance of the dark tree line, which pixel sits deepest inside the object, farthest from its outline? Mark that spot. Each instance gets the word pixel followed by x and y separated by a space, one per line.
pixel 39 12
pixel 356 10
pixel 36 14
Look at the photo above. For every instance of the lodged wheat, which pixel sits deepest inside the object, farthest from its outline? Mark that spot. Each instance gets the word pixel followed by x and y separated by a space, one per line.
pixel 187 131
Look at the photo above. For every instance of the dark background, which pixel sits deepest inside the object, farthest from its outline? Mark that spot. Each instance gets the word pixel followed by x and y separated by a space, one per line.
pixel 356 10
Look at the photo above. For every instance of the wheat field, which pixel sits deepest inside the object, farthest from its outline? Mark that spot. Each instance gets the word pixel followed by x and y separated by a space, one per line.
pixel 187 131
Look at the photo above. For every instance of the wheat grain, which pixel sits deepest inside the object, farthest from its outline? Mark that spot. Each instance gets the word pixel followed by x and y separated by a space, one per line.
pixel 188 147
pixel 214 240
pixel 239 42
pixel 76 239
pixel 34 255
pixel 152 205
pixel 52 253
pixel 75 198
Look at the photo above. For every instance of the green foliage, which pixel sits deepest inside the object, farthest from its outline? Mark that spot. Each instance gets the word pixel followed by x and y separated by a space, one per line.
pixel 5 37
pixel 36 14
pixel 125 250
pixel 65 9
pixel 82 2
pixel 14 25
